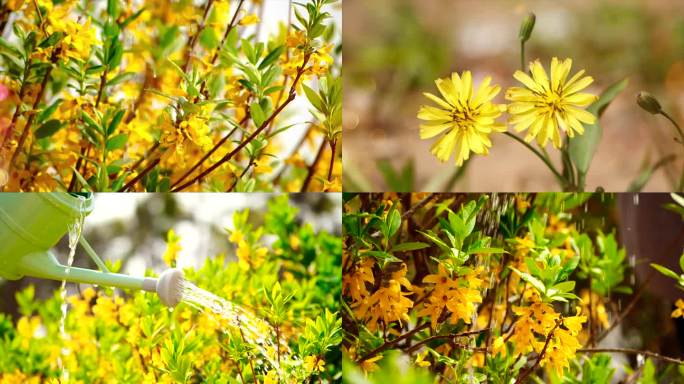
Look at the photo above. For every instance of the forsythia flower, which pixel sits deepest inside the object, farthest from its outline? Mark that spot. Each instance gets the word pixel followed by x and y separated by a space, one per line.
pixel 564 344
pixel 464 116
pixel 545 107
pixel 172 248
pixel 450 293
pixel 679 311
pixel 354 283
pixel 389 303
pixel 314 363
pixel 250 19
pixel 420 360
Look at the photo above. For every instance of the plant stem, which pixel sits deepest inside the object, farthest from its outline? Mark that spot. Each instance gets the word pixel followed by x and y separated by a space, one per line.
pixel 393 342
pixel 232 186
pixel 632 352
pixel 193 40
pixel 419 344
pixel 140 175
pixel 544 159
pixel 677 127
pixel 522 55
pixel 312 167
pixel 333 144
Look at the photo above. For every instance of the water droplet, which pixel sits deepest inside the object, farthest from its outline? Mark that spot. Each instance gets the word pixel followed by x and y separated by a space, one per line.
pixel 636 199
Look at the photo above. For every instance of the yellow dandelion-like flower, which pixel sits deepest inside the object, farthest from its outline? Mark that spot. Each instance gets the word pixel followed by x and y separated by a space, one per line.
pixel 464 116
pixel 546 106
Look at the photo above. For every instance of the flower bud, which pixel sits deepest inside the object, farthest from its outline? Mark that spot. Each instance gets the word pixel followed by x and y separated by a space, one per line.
pixel 527 26
pixel 648 102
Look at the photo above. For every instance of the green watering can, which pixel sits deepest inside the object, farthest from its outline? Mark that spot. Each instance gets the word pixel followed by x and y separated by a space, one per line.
pixel 32 223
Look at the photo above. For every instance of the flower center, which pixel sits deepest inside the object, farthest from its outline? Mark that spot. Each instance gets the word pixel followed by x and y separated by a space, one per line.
pixel 554 101
pixel 463 116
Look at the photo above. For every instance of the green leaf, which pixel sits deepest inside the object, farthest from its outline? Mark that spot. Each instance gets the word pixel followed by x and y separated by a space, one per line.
pixel 47 112
pixel 393 222
pixel 409 246
pixel 51 40
pixel 118 116
pixel 117 142
pixel 113 8
pixel 257 114
pixel 271 57
pixel 381 256
pixel 536 283
pixel 48 129
pixel 313 97
pixel 81 179
pixel 566 286
pixel 583 147
pixel 645 174
pixel 665 271
pixel 681 262
pixel 208 39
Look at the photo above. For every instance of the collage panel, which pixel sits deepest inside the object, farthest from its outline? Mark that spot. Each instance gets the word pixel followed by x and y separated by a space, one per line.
pixel 513 96
pixel 513 288
pixel 162 95
pixel 170 288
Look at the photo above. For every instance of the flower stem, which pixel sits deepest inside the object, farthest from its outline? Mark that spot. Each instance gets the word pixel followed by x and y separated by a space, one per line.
pixel 677 127
pixel 522 55
pixel 542 157
pixel 313 166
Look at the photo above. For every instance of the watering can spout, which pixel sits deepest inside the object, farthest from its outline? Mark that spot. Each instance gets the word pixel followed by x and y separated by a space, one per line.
pixel 44 265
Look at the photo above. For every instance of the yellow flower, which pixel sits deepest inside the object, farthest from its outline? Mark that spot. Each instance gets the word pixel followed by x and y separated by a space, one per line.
pixel 679 311
pixel 465 118
pixel 369 365
pixel 294 242
pixel 26 328
pixel 499 346
pixel 354 283
pixel 236 236
pixel 545 107
pixel 15 5
pixel 313 364
pixel 249 19
pixel 387 304
pixel 450 293
pixel 420 360
pixel 271 378
pixel 172 248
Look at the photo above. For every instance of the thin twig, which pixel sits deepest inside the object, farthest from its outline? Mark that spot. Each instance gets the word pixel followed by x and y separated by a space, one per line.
pixel 630 351
pixel 416 346
pixel 531 369
pixel 393 342
pixel 312 168
pixel 244 171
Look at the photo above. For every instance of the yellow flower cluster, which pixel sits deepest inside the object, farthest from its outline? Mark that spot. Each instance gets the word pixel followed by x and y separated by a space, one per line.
pixel 388 304
pixel 458 295
pixel 547 106
pixel 187 87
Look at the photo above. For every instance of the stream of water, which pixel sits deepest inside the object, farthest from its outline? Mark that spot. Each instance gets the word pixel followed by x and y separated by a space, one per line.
pixel 75 230
pixel 254 330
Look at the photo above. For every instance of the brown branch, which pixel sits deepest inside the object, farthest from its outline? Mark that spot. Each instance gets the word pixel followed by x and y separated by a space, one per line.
pixel 393 342
pixel 140 175
pixel 531 369
pixel 32 114
pixel 450 337
pixel 633 352
pixel 208 154
pixel 251 137
pixel 232 186
pixel 333 145
pixel 312 168
pixel 195 37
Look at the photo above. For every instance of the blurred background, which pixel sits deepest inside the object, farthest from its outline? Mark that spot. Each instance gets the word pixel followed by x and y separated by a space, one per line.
pixel 395 49
pixel 132 228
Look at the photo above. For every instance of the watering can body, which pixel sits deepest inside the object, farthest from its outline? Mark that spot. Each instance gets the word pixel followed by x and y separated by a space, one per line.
pixel 32 223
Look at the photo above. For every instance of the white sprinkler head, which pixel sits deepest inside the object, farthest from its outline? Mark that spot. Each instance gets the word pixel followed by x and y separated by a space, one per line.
pixel 169 286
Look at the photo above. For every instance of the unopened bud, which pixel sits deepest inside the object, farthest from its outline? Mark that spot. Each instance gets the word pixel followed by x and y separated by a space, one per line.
pixel 648 102
pixel 527 26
